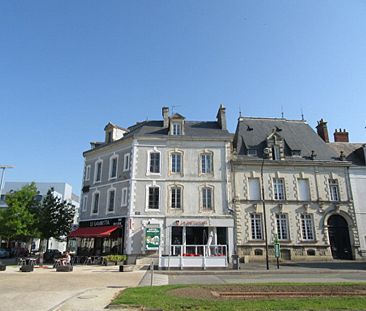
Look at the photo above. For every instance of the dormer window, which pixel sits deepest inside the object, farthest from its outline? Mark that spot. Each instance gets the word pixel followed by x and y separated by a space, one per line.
pixel 276 153
pixel 296 153
pixel 177 128
pixel 109 137
pixel 252 152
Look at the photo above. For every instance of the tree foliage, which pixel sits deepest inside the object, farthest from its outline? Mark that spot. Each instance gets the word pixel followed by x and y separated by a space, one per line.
pixel 18 220
pixel 55 217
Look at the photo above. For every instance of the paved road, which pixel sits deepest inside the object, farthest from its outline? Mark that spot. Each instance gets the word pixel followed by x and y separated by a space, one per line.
pixel 86 288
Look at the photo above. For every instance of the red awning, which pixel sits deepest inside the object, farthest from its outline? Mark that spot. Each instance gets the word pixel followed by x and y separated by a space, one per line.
pixel 93 232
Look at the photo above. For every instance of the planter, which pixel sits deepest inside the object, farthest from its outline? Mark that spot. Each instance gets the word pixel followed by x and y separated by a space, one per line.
pixel 27 268
pixel 109 263
pixel 2 267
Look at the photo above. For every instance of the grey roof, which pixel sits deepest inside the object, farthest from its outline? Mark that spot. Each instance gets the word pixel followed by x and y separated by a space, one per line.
pixel 155 129
pixel 353 152
pixel 252 133
pixel 203 129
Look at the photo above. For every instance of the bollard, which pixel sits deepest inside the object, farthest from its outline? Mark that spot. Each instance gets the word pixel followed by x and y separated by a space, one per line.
pixel 152 273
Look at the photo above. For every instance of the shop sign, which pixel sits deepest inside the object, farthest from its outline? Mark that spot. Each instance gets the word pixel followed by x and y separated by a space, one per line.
pixel 187 223
pixel 102 222
pixel 152 238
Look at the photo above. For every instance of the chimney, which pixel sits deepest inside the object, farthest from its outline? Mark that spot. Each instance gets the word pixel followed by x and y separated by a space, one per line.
pixel 323 130
pixel 165 113
pixel 221 118
pixel 341 137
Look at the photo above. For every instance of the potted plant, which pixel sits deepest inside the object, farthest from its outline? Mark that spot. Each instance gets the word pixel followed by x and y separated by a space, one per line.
pixel 112 260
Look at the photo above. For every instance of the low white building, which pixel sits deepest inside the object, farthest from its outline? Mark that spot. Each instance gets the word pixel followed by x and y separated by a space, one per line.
pixel 60 189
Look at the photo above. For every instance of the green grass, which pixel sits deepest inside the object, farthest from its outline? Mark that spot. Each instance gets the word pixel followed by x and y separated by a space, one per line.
pixel 158 297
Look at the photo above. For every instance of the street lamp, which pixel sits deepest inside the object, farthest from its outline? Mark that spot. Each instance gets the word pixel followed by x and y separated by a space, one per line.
pixel 266 151
pixel 3 167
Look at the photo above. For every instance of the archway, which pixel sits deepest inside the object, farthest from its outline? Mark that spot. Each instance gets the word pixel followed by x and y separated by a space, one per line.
pixel 339 237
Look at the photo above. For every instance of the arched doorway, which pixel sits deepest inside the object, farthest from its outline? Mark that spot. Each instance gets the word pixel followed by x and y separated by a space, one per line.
pixel 339 237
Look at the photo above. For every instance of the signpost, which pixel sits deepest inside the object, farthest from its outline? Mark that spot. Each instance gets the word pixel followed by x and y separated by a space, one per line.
pixel 277 250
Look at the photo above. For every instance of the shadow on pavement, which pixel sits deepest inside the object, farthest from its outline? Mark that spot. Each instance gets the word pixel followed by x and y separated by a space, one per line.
pixel 334 265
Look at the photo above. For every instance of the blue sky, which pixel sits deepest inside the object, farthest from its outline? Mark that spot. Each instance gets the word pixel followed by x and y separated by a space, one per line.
pixel 69 67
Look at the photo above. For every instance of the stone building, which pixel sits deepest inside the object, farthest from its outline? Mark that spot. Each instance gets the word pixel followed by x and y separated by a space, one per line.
pixel 171 176
pixel 283 170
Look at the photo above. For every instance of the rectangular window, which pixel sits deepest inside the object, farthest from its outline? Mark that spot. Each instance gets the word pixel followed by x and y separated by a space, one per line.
pixel 254 189
pixel 98 171
pixel 85 203
pixel 334 189
pixel 307 227
pixel 207 198
pixel 96 203
pixel 176 162
pixel 87 172
pixel 206 163
pixel 124 197
pixel 252 152
pixel 113 168
pixel 126 162
pixel 111 196
pixel 282 227
pixel 276 153
pixel 279 188
pixel 153 197
pixel 304 191
pixel 154 162
pixel 176 197
pixel 177 129
pixel 256 222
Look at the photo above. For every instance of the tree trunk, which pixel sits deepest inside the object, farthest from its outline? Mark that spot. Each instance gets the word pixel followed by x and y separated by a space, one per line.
pixel 47 244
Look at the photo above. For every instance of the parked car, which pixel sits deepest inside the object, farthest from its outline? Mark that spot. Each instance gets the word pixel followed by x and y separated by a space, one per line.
pixel 51 254
pixel 4 253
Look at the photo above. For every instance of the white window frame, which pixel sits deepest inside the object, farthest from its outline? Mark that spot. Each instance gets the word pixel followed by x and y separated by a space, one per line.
pixel 307 227
pixel 108 201
pixel 96 171
pixel 149 162
pixel 256 225
pixel 334 194
pixel 203 200
pixel 282 227
pixel 148 195
pixel 85 203
pixel 177 128
pixel 124 197
pixel 93 203
pixel 172 154
pixel 114 157
pixel 173 188
pixel 279 189
pixel 126 162
pixel 201 166
pixel 87 172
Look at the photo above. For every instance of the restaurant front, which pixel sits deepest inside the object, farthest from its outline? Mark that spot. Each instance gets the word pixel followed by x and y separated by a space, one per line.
pixel 98 237
pixel 196 242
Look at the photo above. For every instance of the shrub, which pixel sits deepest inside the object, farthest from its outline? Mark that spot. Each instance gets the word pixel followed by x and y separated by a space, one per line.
pixel 115 258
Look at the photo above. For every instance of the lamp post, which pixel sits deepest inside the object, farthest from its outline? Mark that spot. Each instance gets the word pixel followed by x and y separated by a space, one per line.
pixel 3 167
pixel 264 213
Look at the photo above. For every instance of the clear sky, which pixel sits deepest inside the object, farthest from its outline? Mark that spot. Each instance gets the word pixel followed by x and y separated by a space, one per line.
pixel 67 68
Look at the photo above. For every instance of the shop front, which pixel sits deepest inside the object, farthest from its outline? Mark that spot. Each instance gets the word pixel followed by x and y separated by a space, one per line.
pixel 198 243
pixel 98 237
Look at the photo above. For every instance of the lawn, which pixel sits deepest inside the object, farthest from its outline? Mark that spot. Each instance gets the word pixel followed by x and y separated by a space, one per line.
pixel 200 297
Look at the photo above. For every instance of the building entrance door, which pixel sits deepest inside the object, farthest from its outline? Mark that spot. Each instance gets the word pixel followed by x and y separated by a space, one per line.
pixel 339 237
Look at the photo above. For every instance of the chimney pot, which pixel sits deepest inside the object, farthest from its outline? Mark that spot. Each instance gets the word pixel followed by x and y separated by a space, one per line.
pixel 341 136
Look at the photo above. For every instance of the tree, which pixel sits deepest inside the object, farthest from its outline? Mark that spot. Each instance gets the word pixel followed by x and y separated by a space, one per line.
pixel 18 219
pixel 55 217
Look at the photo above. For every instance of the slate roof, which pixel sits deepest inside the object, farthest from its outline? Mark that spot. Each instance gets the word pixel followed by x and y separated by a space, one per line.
pixel 252 133
pixel 155 129
pixel 352 151
pixel 203 129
